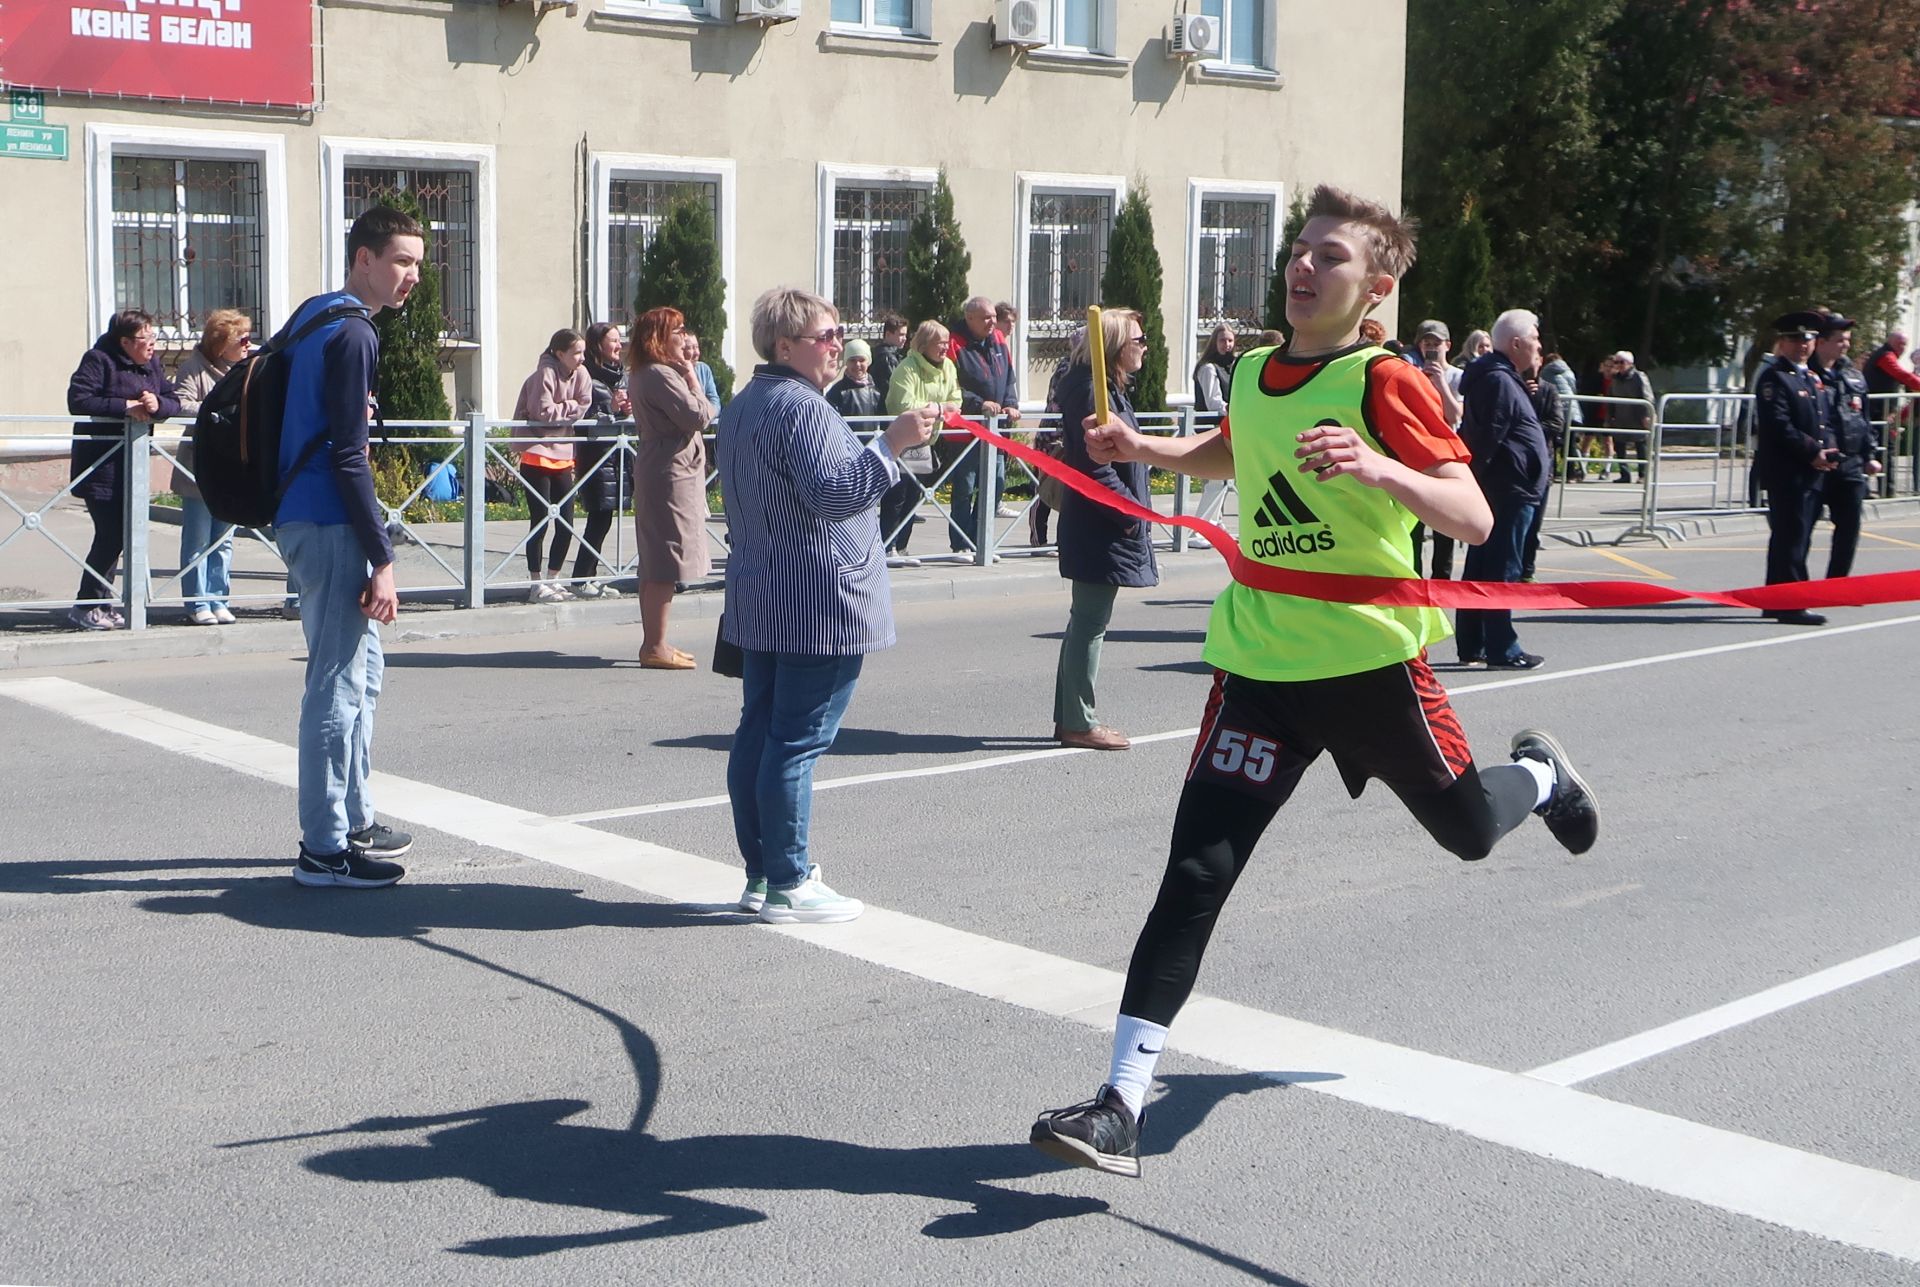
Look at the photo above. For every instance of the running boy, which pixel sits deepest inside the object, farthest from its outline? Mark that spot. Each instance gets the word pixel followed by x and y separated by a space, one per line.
pixel 1338 449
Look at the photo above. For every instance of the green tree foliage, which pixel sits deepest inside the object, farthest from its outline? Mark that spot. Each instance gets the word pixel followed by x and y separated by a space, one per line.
pixel 1819 200
pixel 1275 318
pixel 937 260
pixel 1133 279
pixel 408 379
pixel 681 270
pixel 1663 175
pixel 1463 267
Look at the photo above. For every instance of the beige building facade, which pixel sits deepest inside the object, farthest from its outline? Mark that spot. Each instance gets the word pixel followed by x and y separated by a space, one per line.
pixel 546 140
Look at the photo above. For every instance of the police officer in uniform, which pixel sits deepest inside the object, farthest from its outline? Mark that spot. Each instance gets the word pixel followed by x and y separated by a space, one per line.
pixel 1794 450
pixel 1844 489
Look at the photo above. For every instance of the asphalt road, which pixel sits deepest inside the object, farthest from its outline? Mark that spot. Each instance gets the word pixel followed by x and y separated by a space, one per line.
pixel 553 1055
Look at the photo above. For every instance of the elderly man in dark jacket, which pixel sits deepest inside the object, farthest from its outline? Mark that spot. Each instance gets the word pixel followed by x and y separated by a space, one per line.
pixel 119 379
pixel 984 363
pixel 1513 463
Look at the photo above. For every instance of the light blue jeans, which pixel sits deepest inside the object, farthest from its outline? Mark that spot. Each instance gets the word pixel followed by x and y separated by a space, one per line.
pixel 344 670
pixel 790 711
pixel 207 584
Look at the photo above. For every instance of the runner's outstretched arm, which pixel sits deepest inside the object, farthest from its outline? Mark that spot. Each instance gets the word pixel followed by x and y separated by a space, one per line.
pixel 1205 455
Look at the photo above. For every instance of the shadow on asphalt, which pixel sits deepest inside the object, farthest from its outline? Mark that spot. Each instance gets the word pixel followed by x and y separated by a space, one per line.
pixel 532 1151
pixel 530 659
pixel 881 741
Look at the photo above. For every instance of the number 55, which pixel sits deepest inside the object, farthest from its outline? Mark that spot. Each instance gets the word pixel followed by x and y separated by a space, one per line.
pixel 1250 757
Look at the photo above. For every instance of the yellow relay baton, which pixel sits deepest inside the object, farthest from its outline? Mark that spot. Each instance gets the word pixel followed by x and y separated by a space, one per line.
pixel 1097 357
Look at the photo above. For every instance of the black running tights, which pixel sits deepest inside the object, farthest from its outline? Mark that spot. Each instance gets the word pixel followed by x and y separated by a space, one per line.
pixel 1214 833
pixel 599 523
pixel 544 487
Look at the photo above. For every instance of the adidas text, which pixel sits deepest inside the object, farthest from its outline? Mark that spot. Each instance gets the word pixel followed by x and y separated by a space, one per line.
pixel 1267 547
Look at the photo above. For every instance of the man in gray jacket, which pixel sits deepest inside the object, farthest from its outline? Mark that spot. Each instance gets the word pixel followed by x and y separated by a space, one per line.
pixel 1629 381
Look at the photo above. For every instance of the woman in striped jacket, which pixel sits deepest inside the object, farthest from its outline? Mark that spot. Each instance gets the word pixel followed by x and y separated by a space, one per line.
pixel 807 595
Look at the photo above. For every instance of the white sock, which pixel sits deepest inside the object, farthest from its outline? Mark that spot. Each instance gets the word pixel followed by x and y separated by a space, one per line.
pixel 1136 1049
pixel 1543 778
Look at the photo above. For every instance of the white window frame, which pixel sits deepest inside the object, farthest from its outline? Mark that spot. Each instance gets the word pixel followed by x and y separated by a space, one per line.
pixel 921 27
pixel 856 176
pixel 1106 33
pixel 1027 185
pixel 606 167
pixel 338 155
pixel 1265 65
pixel 662 10
pixel 269 151
pixel 1202 190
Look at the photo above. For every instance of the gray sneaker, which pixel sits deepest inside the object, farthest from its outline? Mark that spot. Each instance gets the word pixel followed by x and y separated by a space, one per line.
pixel 811 902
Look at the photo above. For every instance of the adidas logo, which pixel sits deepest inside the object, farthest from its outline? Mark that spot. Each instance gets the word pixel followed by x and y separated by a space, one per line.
pixel 1284 507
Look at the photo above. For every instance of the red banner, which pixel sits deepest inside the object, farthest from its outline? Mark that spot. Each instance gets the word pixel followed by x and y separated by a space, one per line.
pixel 257 52
pixel 1331 587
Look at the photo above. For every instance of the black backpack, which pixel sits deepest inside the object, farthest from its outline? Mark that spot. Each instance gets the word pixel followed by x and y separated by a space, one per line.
pixel 236 437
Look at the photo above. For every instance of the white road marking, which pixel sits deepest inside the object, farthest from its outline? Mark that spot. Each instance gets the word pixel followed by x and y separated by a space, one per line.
pixel 863 779
pixel 1681 1032
pixel 1188 734
pixel 1785 1186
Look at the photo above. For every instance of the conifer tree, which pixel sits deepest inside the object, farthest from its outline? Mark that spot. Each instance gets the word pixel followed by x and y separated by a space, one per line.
pixel 1133 279
pixel 1276 310
pixel 937 260
pixel 682 270
pixel 408 379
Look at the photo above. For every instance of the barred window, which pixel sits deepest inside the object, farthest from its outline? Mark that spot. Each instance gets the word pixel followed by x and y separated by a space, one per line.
pixel 635 209
pixel 187 239
pixel 1066 257
pixel 446 197
pixel 1231 264
pixel 871 228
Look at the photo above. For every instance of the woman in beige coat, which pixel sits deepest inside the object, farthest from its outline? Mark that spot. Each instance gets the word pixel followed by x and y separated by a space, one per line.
pixel 669 475
pixel 207 581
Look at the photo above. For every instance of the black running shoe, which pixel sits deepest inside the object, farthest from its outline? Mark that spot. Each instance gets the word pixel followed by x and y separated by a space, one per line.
pixel 1571 813
pixel 1100 1134
pixel 349 868
pixel 376 840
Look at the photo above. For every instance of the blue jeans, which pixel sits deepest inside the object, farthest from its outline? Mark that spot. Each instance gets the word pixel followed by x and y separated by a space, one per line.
pixel 789 714
pixel 207 584
pixel 1488 632
pixel 966 490
pixel 344 670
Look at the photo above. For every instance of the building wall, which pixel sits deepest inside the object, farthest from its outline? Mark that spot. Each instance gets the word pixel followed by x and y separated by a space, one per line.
pixel 539 106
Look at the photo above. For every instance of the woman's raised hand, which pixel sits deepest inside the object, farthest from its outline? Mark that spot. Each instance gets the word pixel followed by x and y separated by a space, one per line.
pixel 912 427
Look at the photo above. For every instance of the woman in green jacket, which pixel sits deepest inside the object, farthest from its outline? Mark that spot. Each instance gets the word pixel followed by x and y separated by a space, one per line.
pixel 925 375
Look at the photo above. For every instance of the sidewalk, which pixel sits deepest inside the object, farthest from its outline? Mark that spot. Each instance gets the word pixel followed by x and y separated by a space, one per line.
pixel 32 567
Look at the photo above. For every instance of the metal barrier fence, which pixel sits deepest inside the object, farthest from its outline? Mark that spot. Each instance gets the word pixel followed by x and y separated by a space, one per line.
pixel 460 550
pixel 465 549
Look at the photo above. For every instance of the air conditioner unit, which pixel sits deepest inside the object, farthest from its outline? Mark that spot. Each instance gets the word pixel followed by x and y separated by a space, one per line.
pixel 1193 35
pixel 1024 24
pixel 766 11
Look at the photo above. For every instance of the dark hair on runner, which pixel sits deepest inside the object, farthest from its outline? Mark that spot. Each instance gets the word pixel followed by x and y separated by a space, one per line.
pixel 376 229
pixel 1389 237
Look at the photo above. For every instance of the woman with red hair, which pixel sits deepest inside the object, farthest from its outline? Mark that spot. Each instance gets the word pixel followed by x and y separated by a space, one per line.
pixel 669 475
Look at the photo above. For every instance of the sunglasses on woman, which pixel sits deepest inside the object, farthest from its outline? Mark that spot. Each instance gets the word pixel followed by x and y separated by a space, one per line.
pixel 832 335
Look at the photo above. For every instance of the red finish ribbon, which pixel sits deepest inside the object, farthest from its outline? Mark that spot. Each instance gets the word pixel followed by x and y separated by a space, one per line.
pixel 1330 587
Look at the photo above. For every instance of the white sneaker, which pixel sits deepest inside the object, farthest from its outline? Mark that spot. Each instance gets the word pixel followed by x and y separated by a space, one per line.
pixel 1005 511
pixel 596 590
pixel 810 902
pixel 204 617
pixel 903 561
pixel 562 592
pixel 543 592
pixel 89 619
pixel 224 615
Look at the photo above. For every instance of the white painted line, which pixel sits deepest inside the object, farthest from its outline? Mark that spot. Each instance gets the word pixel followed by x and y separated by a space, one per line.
pixel 1188 734
pixel 1789 1187
pixel 864 779
pixel 1681 1032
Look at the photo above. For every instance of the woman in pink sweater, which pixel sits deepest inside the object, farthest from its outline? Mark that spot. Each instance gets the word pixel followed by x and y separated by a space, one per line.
pixel 558 393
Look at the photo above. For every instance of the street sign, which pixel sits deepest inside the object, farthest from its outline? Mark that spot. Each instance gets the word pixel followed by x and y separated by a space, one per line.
pixel 47 142
pixel 28 105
